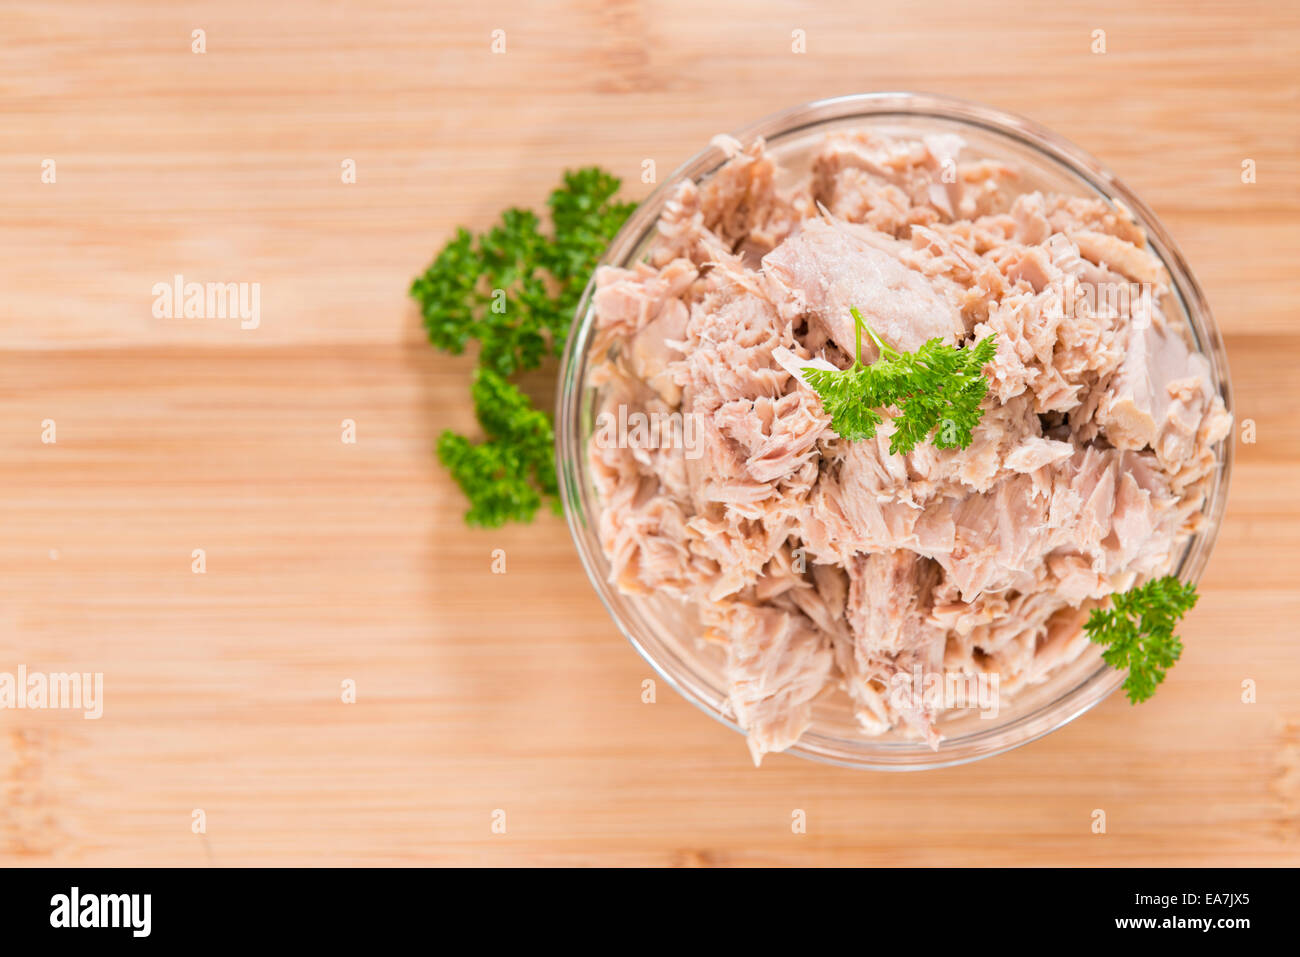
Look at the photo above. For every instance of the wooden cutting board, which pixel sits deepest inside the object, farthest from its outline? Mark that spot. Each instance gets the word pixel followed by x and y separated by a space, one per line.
pixel 328 562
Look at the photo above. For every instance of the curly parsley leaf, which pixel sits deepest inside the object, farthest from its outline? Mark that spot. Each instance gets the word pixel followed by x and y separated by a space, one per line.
pixel 1138 632
pixel 586 219
pixel 513 289
pixel 937 390
pixel 506 476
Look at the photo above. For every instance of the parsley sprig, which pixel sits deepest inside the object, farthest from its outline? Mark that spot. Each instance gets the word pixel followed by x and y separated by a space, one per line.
pixel 1138 632
pixel 507 476
pixel 937 390
pixel 514 289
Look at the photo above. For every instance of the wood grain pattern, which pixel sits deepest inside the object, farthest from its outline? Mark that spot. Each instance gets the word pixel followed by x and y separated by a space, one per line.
pixel 328 561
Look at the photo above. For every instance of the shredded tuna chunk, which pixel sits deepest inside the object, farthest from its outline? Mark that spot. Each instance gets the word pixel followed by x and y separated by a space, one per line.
pixel 819 567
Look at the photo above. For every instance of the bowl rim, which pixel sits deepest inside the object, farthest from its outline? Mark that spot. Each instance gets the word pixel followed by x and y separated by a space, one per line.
pixel 571 457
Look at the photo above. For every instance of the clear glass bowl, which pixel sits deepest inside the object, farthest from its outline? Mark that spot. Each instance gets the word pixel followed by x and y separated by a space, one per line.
pixel 665 632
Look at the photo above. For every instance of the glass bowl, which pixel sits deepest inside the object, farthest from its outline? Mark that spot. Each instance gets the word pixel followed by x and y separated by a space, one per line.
pixel 666 633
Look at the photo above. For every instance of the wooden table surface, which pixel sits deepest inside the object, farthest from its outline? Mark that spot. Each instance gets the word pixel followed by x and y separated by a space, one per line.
pixel 328 562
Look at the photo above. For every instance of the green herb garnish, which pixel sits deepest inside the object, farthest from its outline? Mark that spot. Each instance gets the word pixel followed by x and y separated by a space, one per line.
pixel 1138 632
pixel 937 389
pixel 514 290
pixel 506 476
